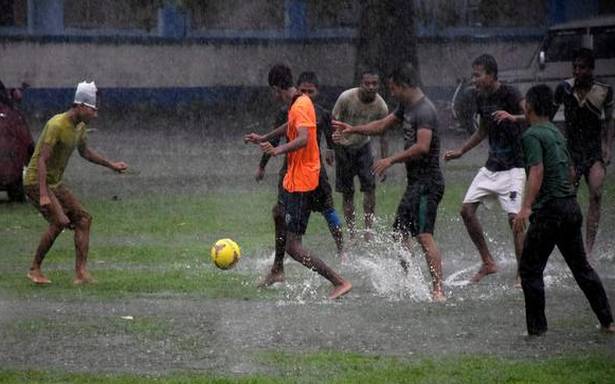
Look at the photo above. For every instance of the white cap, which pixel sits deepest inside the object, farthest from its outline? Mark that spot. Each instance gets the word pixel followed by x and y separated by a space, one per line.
pixel 86 94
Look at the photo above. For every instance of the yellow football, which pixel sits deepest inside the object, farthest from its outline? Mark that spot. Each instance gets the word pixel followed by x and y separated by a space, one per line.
pixel 225 253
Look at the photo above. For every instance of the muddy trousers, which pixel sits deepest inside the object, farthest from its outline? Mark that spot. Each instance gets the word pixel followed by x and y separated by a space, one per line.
pixel 558 223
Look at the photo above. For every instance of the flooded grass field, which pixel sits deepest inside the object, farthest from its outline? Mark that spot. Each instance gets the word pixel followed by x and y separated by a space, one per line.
pixel 160 307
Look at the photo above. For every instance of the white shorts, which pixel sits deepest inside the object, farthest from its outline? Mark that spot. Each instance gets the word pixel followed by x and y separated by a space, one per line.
pixel 505 186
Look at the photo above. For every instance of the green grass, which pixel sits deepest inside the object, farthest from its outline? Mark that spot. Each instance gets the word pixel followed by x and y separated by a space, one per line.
pixel 333 367
pixel 159 244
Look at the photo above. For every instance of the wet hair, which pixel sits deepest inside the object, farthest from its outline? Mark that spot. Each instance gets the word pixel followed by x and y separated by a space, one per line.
pixel 585 54
pixel 308 77
pixel 280 76
pixel 369 71
pixel 405 74
pixel 488 63
pixel 540 98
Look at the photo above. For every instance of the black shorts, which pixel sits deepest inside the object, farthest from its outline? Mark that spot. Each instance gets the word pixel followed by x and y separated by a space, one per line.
pixel 582 163
pixel 418 208
pixel 354 162
pixel 321 199
pixel 296 207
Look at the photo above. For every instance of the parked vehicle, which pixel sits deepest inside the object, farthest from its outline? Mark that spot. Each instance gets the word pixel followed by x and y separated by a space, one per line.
pixel 552 63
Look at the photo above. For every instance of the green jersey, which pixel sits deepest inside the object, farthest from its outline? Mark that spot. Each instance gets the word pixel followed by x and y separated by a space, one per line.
pixel 63 136
pixel 544 143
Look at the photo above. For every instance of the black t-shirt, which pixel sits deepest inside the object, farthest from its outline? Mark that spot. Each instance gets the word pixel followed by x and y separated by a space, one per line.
pixel 584 120
pixel 505 137
pixel 421 115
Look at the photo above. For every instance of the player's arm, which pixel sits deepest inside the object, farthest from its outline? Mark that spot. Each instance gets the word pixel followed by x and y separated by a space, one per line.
pixel 500 116
pixel 41 165
pixel 478 136
pixel 260 171
pixel 94 157
pixel 297 143
pixel 420 148
pixel 532 188
pixel 255 138
pixel 373 128
pixel 608 132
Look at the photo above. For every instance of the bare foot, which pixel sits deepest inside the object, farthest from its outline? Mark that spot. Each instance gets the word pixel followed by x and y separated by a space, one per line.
pixel 83 278
pixel 517 283
pixel 438 296
pixel 485 269
pixel 37 277
pixel 340 290
pixel 609 330
pixel 271 279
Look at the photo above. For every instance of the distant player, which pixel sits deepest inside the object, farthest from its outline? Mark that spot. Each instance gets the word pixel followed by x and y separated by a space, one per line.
pixel 416 214
pixel 322 202
pixel 353 154
pixel 45 189
pixel 555 217
pixel 301 179
pixel 500 107
pixel 589 141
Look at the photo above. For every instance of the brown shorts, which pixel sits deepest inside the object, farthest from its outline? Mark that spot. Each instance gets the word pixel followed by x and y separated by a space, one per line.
pixel 69 204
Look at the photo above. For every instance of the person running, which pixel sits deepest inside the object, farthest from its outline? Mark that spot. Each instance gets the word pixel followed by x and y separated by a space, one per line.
pixel 353 154
pixel 301 179
pixel 555 217
pixel 416 214
pixel 307 84
pixel 500 107
pixel 589 141
pixel 44 186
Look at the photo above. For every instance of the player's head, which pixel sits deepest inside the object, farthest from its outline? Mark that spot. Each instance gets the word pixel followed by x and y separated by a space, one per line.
pixel 16 94
pixel 539 102
pixel 308 84
pixel 85 101
pixel 484 72
pixel 280 80
pixel 403 78
pixel 369 84
pixel 583 64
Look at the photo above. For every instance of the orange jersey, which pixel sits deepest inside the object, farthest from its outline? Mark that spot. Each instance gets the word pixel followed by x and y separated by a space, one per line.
pixel 304 164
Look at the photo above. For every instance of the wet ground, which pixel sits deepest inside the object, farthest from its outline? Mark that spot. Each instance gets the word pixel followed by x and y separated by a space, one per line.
pixel 387 313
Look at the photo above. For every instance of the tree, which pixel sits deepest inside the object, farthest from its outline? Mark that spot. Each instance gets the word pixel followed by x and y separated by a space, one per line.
pixel 387 35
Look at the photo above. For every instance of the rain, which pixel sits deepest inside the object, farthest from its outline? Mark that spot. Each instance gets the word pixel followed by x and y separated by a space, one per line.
pixel 180 82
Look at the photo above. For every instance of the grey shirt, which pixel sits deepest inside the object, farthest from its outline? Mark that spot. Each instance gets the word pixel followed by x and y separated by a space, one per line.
pixel 350 109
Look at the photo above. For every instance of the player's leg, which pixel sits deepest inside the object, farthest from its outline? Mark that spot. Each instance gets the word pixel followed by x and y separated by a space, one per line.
pixel 570 243
pixel 364 162
pixel 434 263
pixel 51 214
pixel 479 190
pixel 475 230
pixel 511 197
pixel 276 274
pixel 298 214
pixel 322 201
pixel 595 181
pixel 344 184
pixel 539 243
pixel 81 222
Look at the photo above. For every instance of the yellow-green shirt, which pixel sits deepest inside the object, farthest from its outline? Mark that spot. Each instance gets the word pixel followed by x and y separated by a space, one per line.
pixel 63 137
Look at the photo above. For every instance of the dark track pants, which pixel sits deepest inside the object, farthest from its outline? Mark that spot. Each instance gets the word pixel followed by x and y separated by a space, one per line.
pixel 558 223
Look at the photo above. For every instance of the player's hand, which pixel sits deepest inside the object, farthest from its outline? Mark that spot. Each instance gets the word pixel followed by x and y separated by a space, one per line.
pixel 253 138
pixel 381 166
pixel 500 116
pixel 44 201
pixel 260 174
pixel 606 156
pixel 119 166
pixel 330 157
pixel 269 149
pixel 452 154
pixel 520 220
pixel 341 127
